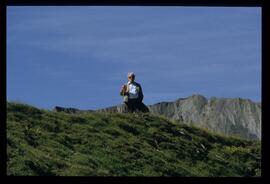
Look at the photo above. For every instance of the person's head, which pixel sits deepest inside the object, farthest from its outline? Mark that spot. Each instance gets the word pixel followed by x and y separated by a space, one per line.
pixel 131 76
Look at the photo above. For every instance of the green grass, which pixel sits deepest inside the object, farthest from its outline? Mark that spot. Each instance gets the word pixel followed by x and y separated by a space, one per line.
pixel 42 142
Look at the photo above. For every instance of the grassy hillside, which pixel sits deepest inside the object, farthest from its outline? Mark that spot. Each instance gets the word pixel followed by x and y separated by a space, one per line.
pixel 41 142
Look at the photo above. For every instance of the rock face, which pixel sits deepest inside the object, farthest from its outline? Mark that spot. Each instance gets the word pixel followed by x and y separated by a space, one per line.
pixel 240 117
pixel 69 110
pixel 111 109
pixel 122 109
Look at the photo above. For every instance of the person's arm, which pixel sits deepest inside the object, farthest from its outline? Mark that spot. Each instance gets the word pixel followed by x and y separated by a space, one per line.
pixel 123 91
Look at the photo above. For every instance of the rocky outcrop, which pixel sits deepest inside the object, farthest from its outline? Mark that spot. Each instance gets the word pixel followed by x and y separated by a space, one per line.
pixel 122 109
pixel 112 109
pixel 69 110
pixel 119 108
pixel 240 117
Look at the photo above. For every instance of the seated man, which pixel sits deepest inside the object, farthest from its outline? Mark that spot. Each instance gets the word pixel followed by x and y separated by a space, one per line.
pixel 133 95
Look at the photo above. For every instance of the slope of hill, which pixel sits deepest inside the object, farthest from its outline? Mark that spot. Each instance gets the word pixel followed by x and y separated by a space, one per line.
pixel 230 116
pixel 42 142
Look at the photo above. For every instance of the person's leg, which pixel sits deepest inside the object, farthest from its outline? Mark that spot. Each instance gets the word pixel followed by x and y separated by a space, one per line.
pixel 137 106
pixel 138 109
pixel 133 105
pixel 130 105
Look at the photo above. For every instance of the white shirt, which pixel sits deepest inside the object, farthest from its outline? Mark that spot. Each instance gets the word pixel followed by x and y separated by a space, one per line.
pixel 133 91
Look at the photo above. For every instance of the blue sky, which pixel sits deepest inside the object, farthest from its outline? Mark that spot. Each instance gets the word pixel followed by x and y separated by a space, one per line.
pixel 80 56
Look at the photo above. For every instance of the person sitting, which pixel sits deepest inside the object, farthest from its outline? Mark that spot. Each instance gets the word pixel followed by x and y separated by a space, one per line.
pixel 133 95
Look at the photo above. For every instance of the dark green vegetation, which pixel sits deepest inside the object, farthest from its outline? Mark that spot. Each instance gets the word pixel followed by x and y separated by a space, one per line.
pixel 42 142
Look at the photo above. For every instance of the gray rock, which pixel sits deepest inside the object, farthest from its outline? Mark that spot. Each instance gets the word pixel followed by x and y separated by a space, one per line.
pixel 238 117
pixel 69 110
pixel 121 108
pixel 109 109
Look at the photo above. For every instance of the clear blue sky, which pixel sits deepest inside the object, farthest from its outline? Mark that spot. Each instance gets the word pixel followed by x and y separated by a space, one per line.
pixel 80 56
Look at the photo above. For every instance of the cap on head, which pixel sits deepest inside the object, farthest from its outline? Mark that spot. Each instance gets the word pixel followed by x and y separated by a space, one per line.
pixel 131 74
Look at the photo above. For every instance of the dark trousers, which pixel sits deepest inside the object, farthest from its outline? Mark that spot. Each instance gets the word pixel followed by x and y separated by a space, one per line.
pixel 135 105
